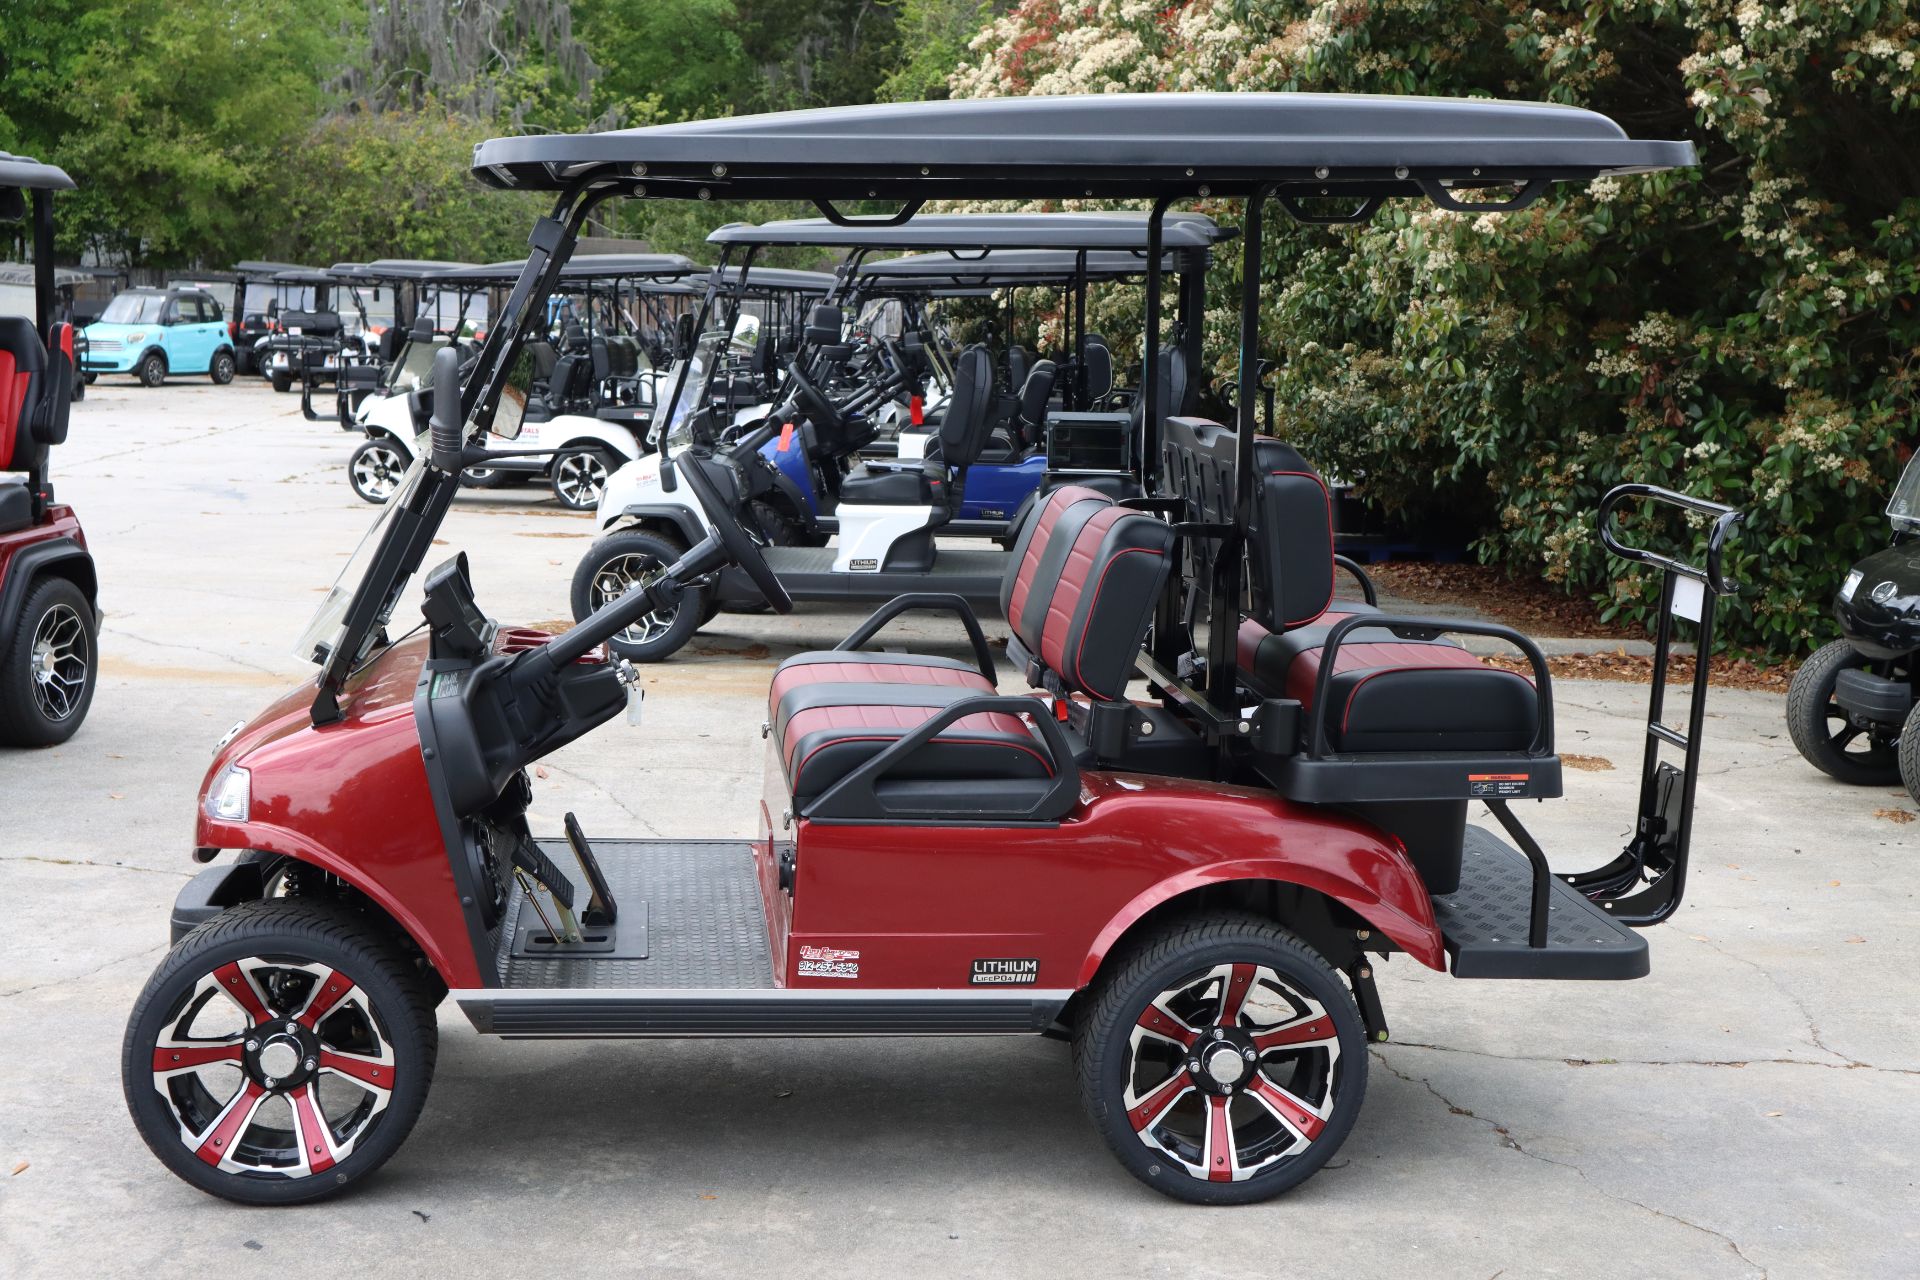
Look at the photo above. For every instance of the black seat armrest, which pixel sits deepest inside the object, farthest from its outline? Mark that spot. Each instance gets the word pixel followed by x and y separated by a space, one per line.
pixel 937 601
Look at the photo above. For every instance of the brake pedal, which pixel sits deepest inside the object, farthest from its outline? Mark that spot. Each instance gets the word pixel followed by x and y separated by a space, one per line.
pixel 530 858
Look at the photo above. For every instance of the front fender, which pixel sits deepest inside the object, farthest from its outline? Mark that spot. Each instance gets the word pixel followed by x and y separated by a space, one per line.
pixel 634 492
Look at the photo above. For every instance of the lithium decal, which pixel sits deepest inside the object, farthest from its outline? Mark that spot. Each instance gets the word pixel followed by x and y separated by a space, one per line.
pixel 829 962
pixel 864 565
pixel 1005 973
pixel 1497 784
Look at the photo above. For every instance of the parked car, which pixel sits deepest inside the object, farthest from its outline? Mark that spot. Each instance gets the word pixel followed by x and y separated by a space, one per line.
pixel 151 333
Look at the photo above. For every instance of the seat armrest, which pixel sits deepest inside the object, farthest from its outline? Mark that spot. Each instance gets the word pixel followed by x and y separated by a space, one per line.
pixel 937 601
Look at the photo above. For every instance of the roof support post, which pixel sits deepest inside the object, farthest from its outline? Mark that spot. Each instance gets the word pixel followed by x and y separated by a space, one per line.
pixel 43 261
pixel 1223 614
pixel 1149 442
pixel 1079 330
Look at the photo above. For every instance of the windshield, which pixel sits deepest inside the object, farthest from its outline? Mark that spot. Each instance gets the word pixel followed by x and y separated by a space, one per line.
pixel 1904 506
pixel 414 368
pixel 134 308
pixel 323 632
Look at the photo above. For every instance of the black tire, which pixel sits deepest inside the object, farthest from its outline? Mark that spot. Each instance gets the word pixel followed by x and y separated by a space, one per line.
pixel 1821 731
pixel 152 369
pixel 1173 972
pixel 282 380
pixel 382 1024
pixel 221 369
pixel 1910 753
pixel 375 468
pixel 579 474
pixel 632 555
pixel 88 378
pixel 48 666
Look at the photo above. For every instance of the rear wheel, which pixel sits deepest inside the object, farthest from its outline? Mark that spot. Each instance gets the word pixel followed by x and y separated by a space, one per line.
pixel 1825 734
pixel 580 477
pixel 1224 1062
pixel 88 378
pixel 279 1053
pixel 375 469
pixel 485 478
pixel 622 562
pixel 221 370
pixel 47 666
pixel 282 379
pixel 152 369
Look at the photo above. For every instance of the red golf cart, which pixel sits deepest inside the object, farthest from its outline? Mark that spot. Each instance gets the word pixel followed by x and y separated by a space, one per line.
pixel 49 611
pixel 1191 885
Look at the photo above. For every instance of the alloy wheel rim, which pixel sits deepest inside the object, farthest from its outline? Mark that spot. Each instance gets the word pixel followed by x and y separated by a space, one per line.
pixel 377 472
pixel 295 1074
pixel 630 572
pixel 58 662
pixel 1231 1072
pixel 579 478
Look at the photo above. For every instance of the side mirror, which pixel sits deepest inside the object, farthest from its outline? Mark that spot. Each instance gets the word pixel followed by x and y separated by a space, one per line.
pixel 448 427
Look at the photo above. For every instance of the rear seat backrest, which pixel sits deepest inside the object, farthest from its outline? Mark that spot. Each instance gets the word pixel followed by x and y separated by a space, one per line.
pixel 23 367
pixel 1085 576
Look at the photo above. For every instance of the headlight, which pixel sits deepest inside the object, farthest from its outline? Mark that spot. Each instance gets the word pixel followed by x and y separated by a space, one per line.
pixel 1848 587
pixel 230 798
pixel 137 337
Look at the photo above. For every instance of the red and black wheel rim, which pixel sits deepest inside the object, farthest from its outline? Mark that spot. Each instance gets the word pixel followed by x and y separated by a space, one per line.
pixel 1232 1072
pixel 273 1067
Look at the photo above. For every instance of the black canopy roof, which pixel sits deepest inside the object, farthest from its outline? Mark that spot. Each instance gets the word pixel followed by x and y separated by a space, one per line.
pixel 253 267
pixel 1023 267
pixel 303 275
pixel 407 268
pixel 21 273
pixel 983 231
pixel 594 266
pixel 1103 145
pixel 22 171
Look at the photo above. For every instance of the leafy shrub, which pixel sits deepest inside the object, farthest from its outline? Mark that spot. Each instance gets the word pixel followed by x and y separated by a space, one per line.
pixel 1744 330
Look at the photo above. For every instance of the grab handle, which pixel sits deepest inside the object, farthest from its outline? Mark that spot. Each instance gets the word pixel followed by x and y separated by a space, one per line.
pixel 1726 520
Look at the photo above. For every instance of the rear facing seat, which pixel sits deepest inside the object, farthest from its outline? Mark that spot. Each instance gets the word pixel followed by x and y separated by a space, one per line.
pixel 1079 591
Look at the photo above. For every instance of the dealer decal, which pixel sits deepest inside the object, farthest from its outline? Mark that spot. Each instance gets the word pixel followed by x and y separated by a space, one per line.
pixel 1005 973
pixel 1497 785
pixel 829 962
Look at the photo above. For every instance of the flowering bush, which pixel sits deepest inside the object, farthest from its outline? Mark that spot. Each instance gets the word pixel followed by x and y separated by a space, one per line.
pixel 1744 330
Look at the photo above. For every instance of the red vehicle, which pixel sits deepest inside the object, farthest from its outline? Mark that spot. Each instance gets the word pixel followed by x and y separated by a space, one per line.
pixel 1192 887
pixel 49 610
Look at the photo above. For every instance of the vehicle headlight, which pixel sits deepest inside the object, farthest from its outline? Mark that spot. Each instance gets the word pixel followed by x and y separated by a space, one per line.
pixel 137 337
pixel 230 798
pixel 1851 585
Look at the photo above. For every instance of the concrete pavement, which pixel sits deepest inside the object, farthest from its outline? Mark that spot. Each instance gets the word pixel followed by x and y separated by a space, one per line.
pixel 1752 1108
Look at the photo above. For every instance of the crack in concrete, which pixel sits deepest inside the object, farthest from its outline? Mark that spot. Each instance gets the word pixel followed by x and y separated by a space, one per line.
pixel 89 862
pixel 1505 1134
pixel 202 649
pixel 1845 1065
pixel 76 977
pixel 1806 1013
pixel 584 780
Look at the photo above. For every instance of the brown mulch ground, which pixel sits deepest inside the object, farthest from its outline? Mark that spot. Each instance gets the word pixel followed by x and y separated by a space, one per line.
pixel 1726 673
pixel 1534 607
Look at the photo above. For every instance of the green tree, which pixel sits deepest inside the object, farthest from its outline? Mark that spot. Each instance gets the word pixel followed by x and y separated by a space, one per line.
pixel 674 59
pixel 932 37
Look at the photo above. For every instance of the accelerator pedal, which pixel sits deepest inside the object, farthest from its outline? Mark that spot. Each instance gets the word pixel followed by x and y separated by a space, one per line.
pixel 601 908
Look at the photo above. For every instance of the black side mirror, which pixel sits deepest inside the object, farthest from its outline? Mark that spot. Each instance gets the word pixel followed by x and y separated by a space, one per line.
pixel 448 427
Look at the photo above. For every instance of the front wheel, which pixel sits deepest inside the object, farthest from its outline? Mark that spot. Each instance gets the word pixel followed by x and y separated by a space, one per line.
pixel 280 1052
pixel 281 379
pixel 221 370
pixel 1224 1062
pixel 152 369
pixel 375 469
pixel 1825 734
pixel 1910 753
pixel 622 562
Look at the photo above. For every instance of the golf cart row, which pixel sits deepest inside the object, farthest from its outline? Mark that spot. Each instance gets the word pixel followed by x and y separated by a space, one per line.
pixel 1189 876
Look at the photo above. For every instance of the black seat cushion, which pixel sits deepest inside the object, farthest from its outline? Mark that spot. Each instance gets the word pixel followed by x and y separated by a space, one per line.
pixel 16 506
pixel 859 666
pixel 1389 694
pixel 826 731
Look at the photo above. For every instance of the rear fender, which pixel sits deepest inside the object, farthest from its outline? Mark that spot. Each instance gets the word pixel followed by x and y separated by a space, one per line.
pixel 1374 881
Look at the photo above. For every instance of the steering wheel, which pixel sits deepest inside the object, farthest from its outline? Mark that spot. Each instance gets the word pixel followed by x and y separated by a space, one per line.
pixel 740 546
pixel 818 407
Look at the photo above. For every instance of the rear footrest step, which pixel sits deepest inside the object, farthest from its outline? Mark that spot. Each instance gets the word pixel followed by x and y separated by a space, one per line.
pixel 1484 923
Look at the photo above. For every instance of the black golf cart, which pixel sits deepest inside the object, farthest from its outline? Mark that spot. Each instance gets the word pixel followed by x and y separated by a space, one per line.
pixel 49 603
pixel 256 301
pixel 305 331
pixel 1853 708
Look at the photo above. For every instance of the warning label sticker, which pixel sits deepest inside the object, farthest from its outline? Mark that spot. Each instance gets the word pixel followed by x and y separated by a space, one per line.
pixel 1497 784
